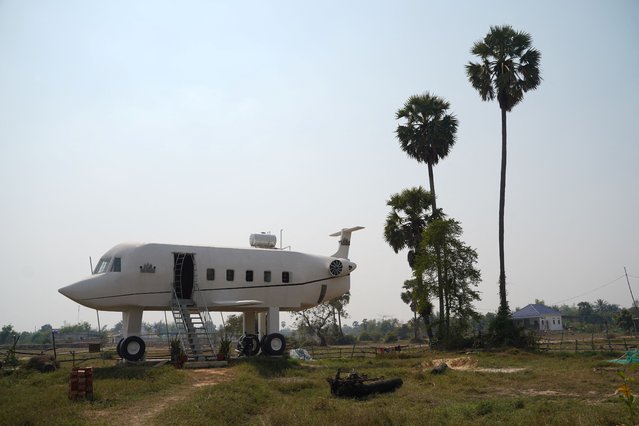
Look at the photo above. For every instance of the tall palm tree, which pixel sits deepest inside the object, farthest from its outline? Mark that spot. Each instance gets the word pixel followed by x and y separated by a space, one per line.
pixel 509 67
pixel 428 132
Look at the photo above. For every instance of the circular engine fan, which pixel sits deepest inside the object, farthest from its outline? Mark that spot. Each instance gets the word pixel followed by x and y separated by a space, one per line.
pixel 335 268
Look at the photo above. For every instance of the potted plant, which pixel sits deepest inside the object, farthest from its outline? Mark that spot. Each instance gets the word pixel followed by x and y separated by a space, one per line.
pixel 224 349
pixel 178 357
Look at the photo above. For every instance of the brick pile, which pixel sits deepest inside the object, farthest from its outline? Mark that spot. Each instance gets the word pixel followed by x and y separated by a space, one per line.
pixel 81 383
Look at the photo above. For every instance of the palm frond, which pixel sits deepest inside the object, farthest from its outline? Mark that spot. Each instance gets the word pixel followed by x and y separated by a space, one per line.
pixel 509 66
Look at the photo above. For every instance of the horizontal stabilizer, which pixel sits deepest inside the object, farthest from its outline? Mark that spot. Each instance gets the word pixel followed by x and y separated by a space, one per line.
pixel 349 230
pixel 344 241
pixel 236 302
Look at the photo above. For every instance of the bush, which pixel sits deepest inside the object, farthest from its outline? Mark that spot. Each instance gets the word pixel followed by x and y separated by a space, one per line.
pixel 484 408
pixel 365 336
pixel 107 355
pixel 504 332
pixel 391 337
pixel 347 339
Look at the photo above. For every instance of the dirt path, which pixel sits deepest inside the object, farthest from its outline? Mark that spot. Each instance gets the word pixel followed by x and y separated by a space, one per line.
pixel 142 412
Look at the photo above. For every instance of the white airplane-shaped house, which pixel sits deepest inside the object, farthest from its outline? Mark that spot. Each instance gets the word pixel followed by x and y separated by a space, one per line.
pixel 190 281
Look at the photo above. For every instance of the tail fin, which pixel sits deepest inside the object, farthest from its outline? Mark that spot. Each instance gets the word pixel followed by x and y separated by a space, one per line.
pixel 344 241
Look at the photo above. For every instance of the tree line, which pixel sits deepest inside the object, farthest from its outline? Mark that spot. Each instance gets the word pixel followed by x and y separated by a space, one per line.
pixel 597 316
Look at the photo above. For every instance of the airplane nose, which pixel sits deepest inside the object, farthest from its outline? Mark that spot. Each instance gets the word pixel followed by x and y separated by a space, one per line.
pixel 76 291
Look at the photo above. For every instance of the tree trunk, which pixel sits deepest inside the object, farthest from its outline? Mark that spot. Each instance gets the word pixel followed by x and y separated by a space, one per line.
pixel 322 339
pixel 503 303
pixel 429 328
pixel 447 293
pixel 431 181
pixel 440 290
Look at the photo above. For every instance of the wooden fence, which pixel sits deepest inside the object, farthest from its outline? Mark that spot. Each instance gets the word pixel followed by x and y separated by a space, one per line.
pixel 595 342
pixel 77 353
pixel 338 352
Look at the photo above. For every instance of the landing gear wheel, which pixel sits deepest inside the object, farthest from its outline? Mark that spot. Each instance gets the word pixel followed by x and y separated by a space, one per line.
pixel 132 348
pixel 118 348
pixel 274 344
pixel 248 345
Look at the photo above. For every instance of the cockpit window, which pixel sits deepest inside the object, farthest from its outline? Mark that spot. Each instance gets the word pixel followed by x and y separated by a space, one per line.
pixel 117 265
pixel 102 265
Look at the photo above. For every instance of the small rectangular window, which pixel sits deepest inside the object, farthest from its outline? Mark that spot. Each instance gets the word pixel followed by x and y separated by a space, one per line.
pixel 267 276
pixel 230 275
pixel 117 264
pixel 249 276
pixel 286 277
pixel 210 274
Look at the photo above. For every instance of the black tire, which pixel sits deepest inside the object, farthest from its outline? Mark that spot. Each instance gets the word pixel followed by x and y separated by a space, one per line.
pixel 132 348
pixel 249 345
pixel 274 344
pixel 118 348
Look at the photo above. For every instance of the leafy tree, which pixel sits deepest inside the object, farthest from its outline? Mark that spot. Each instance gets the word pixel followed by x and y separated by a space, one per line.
pixel 7 333
pixel 624 320
pixel 118 327
pixel 443 251
pixel 417 294
pixel 316 320
pixel 233 326
pixel 508 68
pixel 339 311
pixel 81 327
pixel 585 312
pixel 43 335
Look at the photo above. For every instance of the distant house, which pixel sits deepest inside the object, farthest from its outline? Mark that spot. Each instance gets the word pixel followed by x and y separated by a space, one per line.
pixel 538 317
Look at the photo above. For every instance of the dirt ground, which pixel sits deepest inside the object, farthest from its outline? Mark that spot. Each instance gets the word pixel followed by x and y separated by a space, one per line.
pixel 467 363
pixel 142 412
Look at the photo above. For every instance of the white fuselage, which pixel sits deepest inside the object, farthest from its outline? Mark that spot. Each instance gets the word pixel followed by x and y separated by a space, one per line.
pixel 143 276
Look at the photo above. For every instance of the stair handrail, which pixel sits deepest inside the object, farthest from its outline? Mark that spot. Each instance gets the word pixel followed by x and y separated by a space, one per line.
pixel 199 302
pixel 175 302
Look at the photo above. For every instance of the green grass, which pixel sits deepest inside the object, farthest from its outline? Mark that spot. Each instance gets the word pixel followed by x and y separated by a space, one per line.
pixel 557 389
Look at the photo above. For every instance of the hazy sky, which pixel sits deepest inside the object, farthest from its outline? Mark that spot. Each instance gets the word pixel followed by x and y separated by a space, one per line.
pixel 202 122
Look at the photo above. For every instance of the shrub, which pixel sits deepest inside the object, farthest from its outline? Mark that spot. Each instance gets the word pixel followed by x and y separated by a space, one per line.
pixel 391 337
pixel 347 339
pixel 107 355
pixel 365 336
pixel 484 407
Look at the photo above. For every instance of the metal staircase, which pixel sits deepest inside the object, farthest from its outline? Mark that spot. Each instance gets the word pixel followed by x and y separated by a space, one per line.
pixel 191 316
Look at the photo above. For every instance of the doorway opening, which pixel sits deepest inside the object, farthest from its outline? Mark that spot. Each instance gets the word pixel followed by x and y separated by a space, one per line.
pixel 184 273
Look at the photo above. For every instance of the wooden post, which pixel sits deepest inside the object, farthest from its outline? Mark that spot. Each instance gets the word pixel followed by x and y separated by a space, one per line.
pixel 55 354
pixel 592 340
pixel 609 345
pixel 625 343
pixel 561 342
pixel 353 350
pixel 576 345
